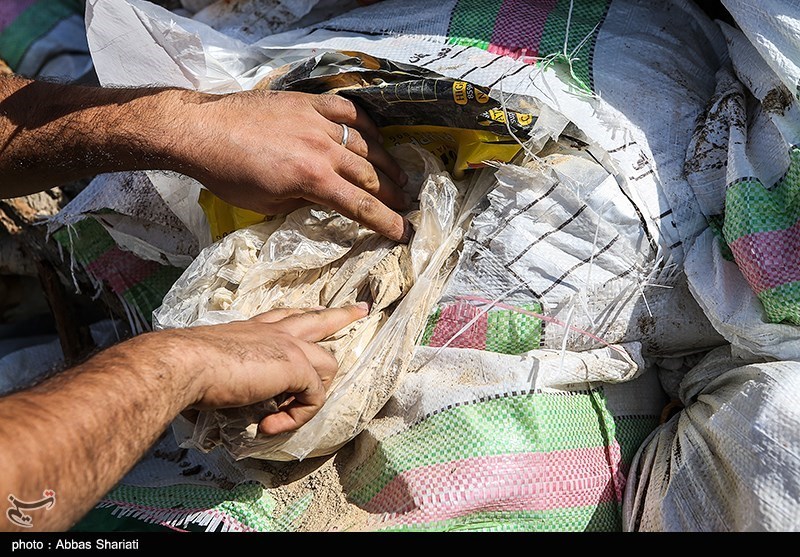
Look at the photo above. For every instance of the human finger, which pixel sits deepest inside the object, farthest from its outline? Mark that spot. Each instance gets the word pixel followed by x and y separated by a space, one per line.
pixel 323 361
pixel 363 207
pixel 370 149
pixel 381 159
pixel 295 411
pixel 313 326
pixel 359 172
pixel 289 417
pixel 297 408
pixel 344 111
pixel 275 315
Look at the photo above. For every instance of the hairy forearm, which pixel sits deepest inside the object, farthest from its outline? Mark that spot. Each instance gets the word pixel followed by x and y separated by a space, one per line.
pixel 79 432
pixel 52 133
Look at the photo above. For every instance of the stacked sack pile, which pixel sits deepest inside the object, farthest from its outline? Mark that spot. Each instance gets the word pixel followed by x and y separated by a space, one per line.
pixel 595 330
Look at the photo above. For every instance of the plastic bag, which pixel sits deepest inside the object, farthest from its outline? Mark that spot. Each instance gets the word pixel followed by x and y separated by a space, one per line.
pixel 316 257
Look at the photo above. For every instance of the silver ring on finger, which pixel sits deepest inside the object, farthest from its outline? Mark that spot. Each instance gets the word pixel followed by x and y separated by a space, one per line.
pixel 345 134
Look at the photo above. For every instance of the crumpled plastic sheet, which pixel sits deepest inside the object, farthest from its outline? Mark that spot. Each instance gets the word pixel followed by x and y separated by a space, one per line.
pixel 316 257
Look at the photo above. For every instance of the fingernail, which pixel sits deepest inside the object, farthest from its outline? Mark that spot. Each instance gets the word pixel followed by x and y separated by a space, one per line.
pixel 318 308
pixel 408 230
pixel 362 305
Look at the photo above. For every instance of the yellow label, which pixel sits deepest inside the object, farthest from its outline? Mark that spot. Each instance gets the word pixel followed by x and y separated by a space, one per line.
pixel 497 115
pixel 480 96
pixel 460 92
pixel 524 119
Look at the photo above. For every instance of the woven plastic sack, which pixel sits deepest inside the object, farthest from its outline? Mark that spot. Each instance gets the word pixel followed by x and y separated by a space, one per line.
pixel 730 461
pixel 744 165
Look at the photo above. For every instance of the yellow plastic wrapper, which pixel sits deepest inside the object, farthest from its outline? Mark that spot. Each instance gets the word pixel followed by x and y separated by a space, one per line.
pixel 224 218
pixel 459 149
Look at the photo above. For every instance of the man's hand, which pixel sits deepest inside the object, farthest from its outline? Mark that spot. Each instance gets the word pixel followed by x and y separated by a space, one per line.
pixel 275 353
pixel 272 152
pixel 80 431
pixel 268 151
